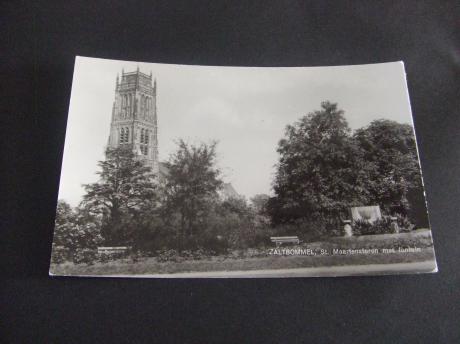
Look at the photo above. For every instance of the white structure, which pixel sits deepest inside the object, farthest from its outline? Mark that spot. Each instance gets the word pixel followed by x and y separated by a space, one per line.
pixel 370 213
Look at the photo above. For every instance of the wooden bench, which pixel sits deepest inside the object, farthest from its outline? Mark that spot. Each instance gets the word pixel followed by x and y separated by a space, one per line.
pixel 285 240
pixel 112 250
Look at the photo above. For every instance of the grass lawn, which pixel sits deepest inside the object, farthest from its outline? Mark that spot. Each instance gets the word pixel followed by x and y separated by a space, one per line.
pixel 264 261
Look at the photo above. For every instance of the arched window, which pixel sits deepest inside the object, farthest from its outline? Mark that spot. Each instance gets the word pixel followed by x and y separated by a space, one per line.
pixel 126 135
pixel 122 136
pixel 142 104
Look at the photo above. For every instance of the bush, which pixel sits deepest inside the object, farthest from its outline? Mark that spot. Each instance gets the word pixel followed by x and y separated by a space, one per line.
pixel 405 225
pixel 178 256
pixel 60 254
pixel 382 226
pixel 85 256
pixel 308 230
pixel 214 244
pixel 250 236
pixel 76 235
pixel 167 255
pixel 261 237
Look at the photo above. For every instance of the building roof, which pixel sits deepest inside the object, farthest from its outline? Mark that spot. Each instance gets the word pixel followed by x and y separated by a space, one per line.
pixel 228 191
pixel 163 168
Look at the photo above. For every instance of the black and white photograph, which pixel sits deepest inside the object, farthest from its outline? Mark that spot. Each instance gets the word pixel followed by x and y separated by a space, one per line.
pixel 205 171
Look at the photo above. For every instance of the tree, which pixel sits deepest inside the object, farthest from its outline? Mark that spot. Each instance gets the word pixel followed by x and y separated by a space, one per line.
pixel 75 230
pixel 259 203
pixel 320 169
pixel 125 196
pixel 191 185
pixel 391 154
pixel 233 220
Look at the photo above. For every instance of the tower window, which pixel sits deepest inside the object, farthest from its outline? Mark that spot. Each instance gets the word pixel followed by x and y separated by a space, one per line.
pixel 144 140
pixel 144 101
pixel 122 135
pixel 142 104
pixel 125 101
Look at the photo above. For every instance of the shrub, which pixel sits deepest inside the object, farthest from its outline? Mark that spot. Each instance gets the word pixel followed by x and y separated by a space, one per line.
pixel 167 255
pixel 60 254
pixel 261 237
pixel 381 226
pixel 307 230
pixel 85 256
pixel 179 256
pixel 214 244
pixel 405 225
pixel 76 234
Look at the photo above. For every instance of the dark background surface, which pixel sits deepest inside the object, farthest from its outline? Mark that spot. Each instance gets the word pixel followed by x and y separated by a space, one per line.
pixel 40 42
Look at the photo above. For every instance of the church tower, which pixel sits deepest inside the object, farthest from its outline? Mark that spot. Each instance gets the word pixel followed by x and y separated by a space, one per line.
pixel 134 116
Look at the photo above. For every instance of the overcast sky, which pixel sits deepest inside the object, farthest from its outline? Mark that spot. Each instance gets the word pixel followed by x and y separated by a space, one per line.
pixel 245 109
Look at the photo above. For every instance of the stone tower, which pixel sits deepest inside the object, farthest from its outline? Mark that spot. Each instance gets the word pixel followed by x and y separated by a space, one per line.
pixel 134 116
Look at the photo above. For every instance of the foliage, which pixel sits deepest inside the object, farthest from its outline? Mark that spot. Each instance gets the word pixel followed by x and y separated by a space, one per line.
pixel 381 226
pixel 85 256
pixel 308 230
pixel 191 187
pixel 389 150
pixel 324 170
pixel 259 203
pixel 240 225
pixel 167 255
pixel 76 232
pixel 125 197
pixel 405 225
pixel 59 254
pixel 320 169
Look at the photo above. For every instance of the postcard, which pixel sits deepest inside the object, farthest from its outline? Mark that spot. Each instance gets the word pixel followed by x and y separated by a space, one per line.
pixel 206 171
